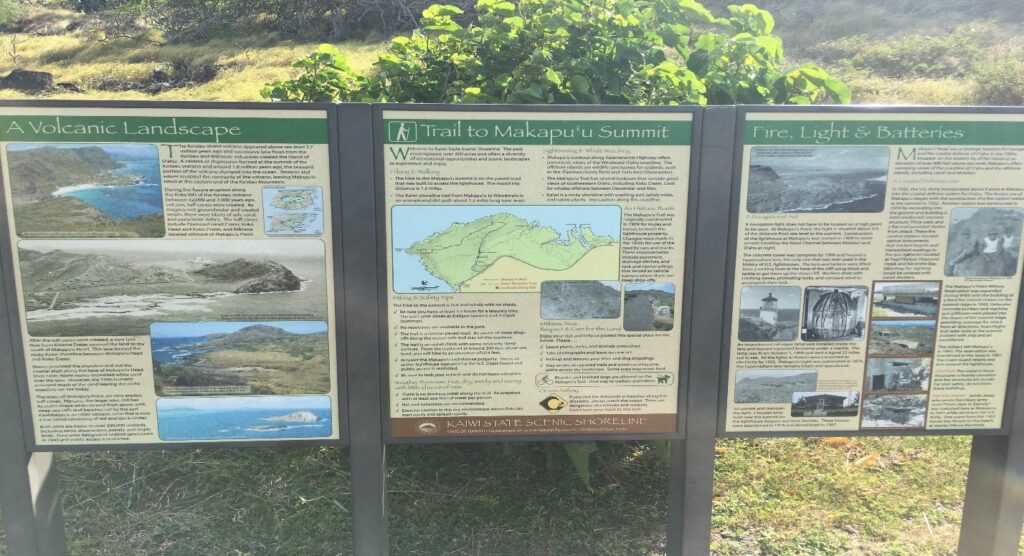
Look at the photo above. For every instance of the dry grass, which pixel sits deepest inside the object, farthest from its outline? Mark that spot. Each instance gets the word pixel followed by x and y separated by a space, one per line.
pixel 246 63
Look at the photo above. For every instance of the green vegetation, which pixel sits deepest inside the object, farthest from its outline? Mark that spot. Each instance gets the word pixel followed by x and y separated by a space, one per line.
pixel 775 497
pixel 897 496
pixel 579 52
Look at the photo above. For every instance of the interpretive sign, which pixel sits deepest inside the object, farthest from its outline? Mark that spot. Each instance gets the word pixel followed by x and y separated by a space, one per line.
pixel 174 272
pixel 534 270
pixel 877 271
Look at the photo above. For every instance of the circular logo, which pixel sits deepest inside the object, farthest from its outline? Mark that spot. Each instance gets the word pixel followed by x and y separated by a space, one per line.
pixel 427 427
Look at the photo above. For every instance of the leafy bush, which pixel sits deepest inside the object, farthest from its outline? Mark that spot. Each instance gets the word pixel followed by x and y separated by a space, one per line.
pixel 948 55
pixel 574 51
pixel 1000 83
pixel 10 11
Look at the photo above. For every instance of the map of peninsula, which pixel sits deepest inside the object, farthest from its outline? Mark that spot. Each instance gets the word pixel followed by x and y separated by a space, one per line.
pixel 506 251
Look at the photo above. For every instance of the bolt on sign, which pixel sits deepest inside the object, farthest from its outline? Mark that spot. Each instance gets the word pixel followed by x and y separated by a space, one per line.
pixel 534 270
pixel 173 272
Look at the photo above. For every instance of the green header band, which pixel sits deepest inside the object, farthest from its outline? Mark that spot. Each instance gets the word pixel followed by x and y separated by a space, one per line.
pixel 106 129
pixel 892 132
pixel 537 132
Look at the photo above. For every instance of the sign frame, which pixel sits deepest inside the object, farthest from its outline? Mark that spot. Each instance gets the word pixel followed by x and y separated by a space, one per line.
pixel 1017 347
pixel 7 282
pixel 696 113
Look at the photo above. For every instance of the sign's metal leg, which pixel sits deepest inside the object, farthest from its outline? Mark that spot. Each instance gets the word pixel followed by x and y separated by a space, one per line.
pixel 994 507
pixel 365 397
pixel 691 479
pixel 29 490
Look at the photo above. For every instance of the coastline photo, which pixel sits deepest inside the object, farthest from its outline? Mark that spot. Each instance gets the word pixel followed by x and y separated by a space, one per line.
pixel 888 411
pixel 86 190
pixel 983 241
pixel 772 385
pixel 239 358
pixel 649 307
pixel 244 417
pixel 769 313
pixel 110 288
pixel 834 313
pixel 817 179
pixel 580 299
pixel 905 300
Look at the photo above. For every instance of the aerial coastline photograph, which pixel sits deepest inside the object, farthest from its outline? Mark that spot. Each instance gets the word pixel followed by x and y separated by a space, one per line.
pixel 86 190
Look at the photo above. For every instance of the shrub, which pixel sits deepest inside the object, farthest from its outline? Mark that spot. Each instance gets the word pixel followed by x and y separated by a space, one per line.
pixel 999 83
pixel 574 51
pixel 10 11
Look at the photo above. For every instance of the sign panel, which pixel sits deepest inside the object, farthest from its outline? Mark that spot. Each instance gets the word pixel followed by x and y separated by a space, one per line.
pixel 534 271
pixel 877 271
pixel 174 273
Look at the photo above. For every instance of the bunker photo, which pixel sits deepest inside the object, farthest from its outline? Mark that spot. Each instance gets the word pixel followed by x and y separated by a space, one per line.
pixel 825 404
pixel 983 241
pixel 894 411
pixel 769 313
pixel 901 338
pixel 817 179
pixel 897 374
pixel 94 190
pixel 905 300
pixel 110 288
pixel 772 385
pixel 834 313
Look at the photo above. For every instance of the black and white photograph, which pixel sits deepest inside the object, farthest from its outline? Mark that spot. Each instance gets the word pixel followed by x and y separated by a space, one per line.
pixel 894 411
pixel 983 241
pixel 824 404
pixel 105 288
pixel 905 300
pixel 580 299
pixel 834 313
pixel 817 179
pixel 898 374
pixel 769 313
pixel 773 385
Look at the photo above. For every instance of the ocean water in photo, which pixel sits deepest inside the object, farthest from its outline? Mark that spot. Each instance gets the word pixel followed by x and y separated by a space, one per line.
pixel 122 202
pixel 173 350
pixel 246 423
pixel 125 202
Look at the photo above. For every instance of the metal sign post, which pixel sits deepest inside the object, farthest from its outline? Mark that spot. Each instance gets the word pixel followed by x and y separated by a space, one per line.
pixel 29 489
pixel 694 473
pixel 369 485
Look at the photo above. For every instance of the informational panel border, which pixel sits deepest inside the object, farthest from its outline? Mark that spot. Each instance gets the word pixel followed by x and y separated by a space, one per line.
pixel 688 270
pixel 340 413
pixel 733 231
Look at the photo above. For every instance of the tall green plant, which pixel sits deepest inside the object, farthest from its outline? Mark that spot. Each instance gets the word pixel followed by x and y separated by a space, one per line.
pixel 575 52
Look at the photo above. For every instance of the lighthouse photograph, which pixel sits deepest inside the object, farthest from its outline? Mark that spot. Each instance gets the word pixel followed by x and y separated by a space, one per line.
pixel 834 313
pixel 769 313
